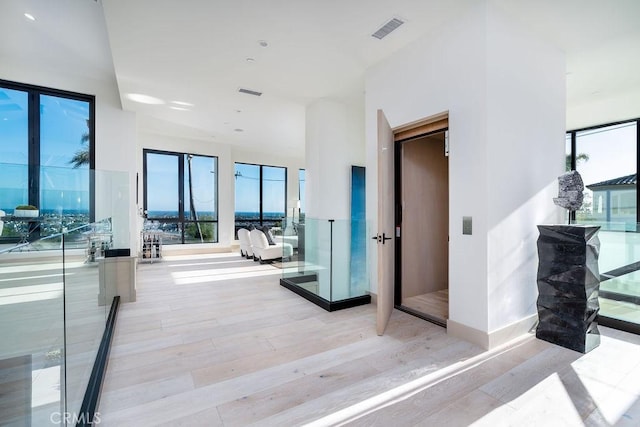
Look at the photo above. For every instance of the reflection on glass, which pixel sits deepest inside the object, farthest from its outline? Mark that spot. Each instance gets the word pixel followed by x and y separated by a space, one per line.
pixel 606 159
pixel 52 317
pixel 172 177
pixel 323 265
pixel 64 158
pixel 619 265
pixel 274 187
pixel 200 188
pixel 260 195
pixel 247 184
pixel 14 138
pixel 162 185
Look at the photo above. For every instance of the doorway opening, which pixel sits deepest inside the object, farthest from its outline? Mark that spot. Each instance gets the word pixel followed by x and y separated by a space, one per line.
pixel 422 226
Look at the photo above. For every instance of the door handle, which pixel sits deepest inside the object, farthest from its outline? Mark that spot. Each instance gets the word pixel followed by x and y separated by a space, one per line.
pixel 380 238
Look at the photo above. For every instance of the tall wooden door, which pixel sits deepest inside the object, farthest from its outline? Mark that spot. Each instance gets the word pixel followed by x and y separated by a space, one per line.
pixel 386 223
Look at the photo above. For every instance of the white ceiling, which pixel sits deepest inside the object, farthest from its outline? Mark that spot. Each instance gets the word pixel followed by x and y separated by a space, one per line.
pixel 195 51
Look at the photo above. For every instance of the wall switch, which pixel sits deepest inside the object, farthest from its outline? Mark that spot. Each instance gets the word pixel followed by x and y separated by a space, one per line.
pixel 466 225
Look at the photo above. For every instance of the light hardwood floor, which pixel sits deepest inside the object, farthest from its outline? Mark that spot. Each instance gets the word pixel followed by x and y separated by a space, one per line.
pixel 214 340
pixel 435 304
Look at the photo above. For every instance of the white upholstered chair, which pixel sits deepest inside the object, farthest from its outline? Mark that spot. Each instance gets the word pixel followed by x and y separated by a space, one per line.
pixel 245 243
pixel 263 251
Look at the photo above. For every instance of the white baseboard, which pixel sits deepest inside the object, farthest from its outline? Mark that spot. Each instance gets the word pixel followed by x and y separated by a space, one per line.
pixel 374 298
pixel 493 339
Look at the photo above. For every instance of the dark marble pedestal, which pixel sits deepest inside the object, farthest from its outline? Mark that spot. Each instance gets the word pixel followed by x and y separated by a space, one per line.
pixel 568 284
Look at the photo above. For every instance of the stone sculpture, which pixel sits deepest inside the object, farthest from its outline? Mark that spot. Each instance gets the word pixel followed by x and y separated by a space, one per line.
pixel 568 277
pixel 570 188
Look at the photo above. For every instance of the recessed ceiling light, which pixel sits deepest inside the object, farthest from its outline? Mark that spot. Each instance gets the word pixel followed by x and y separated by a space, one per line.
pixel 144 99
pixel 29 16
pixel 182 103
pixel 239 130
pixel 173 107
pixel 263 43
pixel 238 111
pixel 251 60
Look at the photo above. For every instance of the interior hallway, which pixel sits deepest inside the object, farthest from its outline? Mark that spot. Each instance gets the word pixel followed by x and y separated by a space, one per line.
pixel 215 340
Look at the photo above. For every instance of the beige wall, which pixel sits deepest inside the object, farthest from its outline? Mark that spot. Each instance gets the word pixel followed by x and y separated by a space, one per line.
pixel 425 216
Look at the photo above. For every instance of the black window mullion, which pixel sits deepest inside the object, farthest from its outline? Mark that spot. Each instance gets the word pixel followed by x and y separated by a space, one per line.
pixel 34 149
pixel 33 191
pixel 261 198
pixel 286 180
pixel 145 190
pixel 92 163
pixel 181 219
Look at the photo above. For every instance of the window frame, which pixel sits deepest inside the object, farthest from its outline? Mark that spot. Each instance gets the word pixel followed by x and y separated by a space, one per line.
pixel 34 92
pixel 261 197
pixel 181 219
pixel 574 132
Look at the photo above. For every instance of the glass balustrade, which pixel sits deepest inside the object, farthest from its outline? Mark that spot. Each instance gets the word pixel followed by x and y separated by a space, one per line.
pixel 330 263
pixel 54 304
pixel 619 265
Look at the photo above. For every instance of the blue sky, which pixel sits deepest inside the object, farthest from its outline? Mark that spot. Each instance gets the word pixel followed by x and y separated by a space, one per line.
pixel 62 123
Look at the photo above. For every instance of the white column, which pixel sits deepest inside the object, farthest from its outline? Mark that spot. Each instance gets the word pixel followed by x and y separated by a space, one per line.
pixel 334 142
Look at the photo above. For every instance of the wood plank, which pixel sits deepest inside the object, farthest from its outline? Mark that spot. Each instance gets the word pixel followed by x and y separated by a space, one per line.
pixel 276 366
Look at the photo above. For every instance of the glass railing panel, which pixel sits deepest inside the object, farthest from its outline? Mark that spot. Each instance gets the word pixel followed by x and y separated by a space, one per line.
pixel 63 202
pixel 32 329
pixel 330 260
pixel 349 260
pixel 53 314
pixel 86 304
pixel 64 198
pixel 619 267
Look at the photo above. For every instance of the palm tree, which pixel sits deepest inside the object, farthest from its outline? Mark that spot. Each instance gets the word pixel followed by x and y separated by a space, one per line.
pixel 192 207
pixel 81 157
pixel 582 157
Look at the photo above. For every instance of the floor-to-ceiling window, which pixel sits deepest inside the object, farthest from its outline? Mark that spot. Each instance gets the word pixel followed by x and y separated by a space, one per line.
pixel 260 195
pixel 46 154
pixel 181 196
pixel 607 158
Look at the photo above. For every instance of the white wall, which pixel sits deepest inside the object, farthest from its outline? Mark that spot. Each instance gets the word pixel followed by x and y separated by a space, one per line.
pixel 446 71
pixel 525 154
pixel 505 95
pixel 334 142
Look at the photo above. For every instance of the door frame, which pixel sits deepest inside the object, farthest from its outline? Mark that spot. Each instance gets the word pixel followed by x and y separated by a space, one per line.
pixel 413 135
pixel 437 122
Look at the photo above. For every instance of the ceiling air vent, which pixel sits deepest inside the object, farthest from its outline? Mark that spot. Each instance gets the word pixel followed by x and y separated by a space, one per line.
pixel 249 91
pixel 387 28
